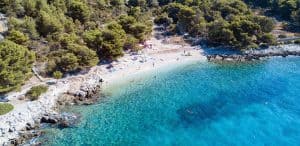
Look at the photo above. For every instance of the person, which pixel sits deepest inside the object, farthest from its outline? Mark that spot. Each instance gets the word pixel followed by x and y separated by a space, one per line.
pixel 153 64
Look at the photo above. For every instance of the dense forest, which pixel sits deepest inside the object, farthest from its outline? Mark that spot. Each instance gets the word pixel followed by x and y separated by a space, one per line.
pixel 225 22
pixel 67 36
pixel 288 10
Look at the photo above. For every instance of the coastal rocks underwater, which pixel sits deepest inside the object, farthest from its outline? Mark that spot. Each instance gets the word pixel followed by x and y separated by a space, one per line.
pixel 250 103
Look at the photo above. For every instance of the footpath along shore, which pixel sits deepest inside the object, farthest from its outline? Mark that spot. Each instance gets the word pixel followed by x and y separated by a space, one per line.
pixel 27 115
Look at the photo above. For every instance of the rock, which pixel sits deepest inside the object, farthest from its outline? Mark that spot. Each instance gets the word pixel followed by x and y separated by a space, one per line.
pixel 218 57
pixel 49 119
pixel 10 130
pixel 252 55
pixel 63 120
pixel 14 142
pixel 21 97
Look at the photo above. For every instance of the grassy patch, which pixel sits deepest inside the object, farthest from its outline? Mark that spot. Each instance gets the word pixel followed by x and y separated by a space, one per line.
pixel 35 92
pixel 5 108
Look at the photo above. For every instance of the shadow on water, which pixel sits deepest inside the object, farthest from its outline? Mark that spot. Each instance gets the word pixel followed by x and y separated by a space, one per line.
pixel 226 104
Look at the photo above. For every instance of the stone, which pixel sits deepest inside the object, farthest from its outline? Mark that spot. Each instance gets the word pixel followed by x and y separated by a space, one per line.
pixel 10 130
pixel 48 119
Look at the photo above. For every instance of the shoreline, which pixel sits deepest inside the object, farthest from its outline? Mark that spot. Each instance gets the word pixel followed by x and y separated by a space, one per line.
pixel 144 69
pixel 29 113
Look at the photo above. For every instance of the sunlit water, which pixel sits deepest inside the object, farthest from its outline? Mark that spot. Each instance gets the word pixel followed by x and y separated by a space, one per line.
pixel 199 104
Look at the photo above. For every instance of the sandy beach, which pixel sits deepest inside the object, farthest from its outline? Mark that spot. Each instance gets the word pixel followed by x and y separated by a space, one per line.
pixel 159 54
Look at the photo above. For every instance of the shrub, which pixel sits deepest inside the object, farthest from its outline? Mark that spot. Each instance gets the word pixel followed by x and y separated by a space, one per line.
pixel 163 20
pixel 35 92
pixel 282 36
pixel 5 108
pixel 79 10
pixel 297 41
pixel 267 38
pixel 18 37
pixel 57 75
pixel 15 65
pixel 131 44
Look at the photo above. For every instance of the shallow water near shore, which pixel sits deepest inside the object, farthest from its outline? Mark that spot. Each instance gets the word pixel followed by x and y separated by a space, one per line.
pixel 240 104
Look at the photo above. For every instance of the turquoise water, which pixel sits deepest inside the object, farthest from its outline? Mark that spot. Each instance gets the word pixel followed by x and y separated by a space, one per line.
pixel 199 104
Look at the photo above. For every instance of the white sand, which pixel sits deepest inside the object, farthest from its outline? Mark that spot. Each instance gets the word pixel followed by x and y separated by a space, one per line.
pixel 159 56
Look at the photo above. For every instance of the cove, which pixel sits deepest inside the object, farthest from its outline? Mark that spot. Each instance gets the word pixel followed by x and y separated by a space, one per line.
pixel 254 103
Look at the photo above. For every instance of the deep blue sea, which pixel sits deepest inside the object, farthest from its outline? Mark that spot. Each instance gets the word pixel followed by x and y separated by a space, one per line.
pixel 206 104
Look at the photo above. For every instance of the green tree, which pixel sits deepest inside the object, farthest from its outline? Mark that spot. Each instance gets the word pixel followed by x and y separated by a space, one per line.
pixel 131 44
pixel 140 31
pixel 219 32
pixel 30 27
pixel 266 24
pixel 286 7
pixel 48 23
pixel 126 22
pixel 111 45
pixel 116 2
pixel 30 7
pixel 15 65
pixel 86 57
pixel 137 3
pixel 79 10
pixel 68 62
pixel 172 10
pixel 296 18
pixel 91 37
pixel 163 19
pixel 186 17
pixel 18 37
pixel 267 38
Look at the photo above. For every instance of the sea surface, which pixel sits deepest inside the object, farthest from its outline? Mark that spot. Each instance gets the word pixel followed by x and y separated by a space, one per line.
pixel 207 104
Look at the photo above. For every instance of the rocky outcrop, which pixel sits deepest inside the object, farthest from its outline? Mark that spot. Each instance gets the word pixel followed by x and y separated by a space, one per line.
pixel 29 132
pixel 63 120
pixel 81 89
pixel 3 25
pixel 250 57
pixel 24 136
pixel 88 91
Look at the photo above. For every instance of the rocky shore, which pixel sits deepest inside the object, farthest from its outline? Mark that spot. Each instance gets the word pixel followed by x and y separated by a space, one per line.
pixel 24 121
pixel 257 54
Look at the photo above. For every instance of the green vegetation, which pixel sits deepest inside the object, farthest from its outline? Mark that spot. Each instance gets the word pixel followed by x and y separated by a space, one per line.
pixel 57 74
pixel 221 22
pixel 297 41
pixel 73 35
pixel 35 92
pixel 15 65
pixel 286 9
pixel 5 108
pixel 67 36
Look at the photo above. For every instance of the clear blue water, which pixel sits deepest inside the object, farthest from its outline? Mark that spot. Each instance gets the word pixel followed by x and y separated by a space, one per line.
pixel 200 104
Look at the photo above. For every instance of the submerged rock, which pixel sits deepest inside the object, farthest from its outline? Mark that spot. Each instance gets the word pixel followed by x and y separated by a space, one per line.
pixel 63 120
pixel 49 119
pixel 68 120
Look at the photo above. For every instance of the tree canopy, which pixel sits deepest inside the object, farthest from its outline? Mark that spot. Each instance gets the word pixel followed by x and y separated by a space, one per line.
pixel 15 65
pixel 67 36
pixel 223 22
pixel 285 9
